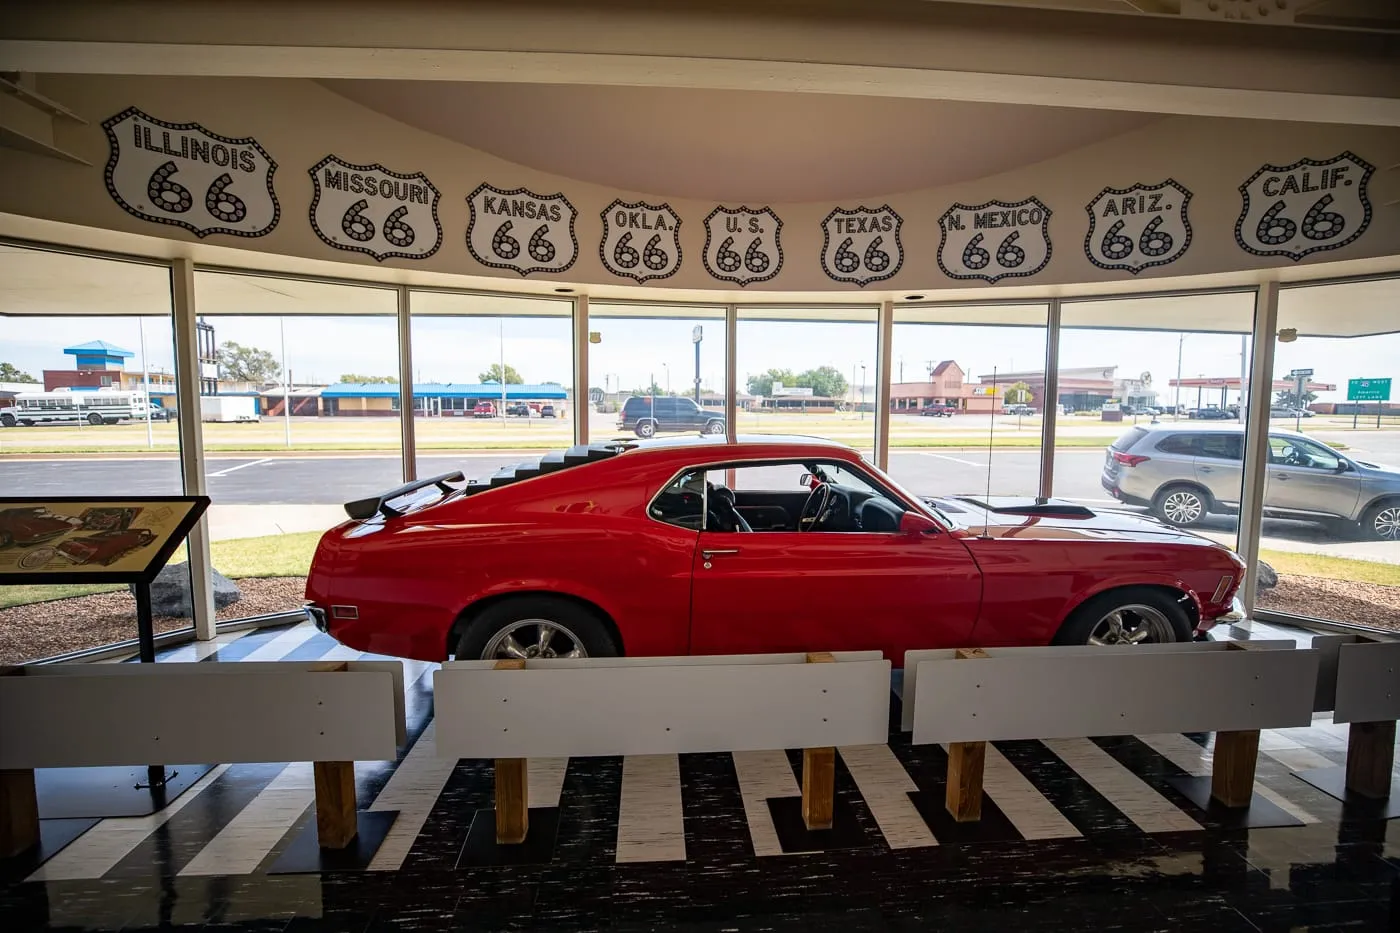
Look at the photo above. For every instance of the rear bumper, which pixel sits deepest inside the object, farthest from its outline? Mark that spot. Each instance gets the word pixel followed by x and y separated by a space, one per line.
pixel 316 616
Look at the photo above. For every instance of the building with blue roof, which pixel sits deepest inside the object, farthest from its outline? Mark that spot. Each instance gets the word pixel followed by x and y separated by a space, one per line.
pixel 98 354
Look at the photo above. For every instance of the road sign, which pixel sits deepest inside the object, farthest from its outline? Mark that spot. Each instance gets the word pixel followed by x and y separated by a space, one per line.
pixel 1301 373
pixel 1368 390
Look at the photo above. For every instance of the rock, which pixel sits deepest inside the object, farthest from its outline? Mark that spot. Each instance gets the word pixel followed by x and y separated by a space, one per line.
pixel 1268 577
pixel 170 592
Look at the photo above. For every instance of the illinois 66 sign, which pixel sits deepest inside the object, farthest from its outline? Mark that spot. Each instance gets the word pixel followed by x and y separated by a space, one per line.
pixel 1306 207
pixel 369 209
pixel 521 230
pixel 995 240
pixel 183 175
pixel 640 241
pixel 1138 227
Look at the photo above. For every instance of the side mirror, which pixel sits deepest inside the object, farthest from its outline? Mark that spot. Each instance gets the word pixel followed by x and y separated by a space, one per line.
pixel 1342 467
pixel 913 523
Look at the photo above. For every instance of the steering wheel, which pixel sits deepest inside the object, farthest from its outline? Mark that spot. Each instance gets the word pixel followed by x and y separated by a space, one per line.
pixel 814 509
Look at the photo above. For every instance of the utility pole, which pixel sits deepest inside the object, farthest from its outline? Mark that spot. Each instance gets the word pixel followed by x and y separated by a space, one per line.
pixel 286 383
pixel 1176 409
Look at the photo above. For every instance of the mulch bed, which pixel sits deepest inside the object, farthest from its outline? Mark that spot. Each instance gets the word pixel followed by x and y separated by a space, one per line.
pixel 1369 604
pixel 42 630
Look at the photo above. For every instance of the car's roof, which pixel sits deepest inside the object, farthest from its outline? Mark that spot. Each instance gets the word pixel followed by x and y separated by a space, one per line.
pixel 743 441
pixel 1206 427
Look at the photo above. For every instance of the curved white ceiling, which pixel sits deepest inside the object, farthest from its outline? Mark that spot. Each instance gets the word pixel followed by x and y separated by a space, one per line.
pixel 736 146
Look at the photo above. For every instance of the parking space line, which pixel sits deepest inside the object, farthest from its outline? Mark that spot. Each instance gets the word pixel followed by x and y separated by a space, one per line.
pixel 240 467
pixel 970 463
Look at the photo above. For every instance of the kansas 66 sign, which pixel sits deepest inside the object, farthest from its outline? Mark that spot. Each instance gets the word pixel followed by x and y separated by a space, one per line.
pixel 640 241
pixel 995 240
pixel 369 209
pixel 183 175
pixel 1138 227
pixel 521 230
pixel 861 245
pixel 743 245
pixel 1306 207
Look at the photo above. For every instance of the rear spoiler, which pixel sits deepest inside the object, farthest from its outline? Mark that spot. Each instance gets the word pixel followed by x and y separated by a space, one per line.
pixel 379 505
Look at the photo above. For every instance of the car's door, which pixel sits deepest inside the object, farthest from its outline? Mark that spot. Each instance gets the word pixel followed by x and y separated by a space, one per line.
pixel 1220 464
pixel 1304 476
pixel 831 590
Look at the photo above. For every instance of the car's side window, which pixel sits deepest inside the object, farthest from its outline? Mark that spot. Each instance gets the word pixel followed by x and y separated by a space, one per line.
pixel 1220 446
pixel 682 502
pixel 1183 444
pixel 1296 452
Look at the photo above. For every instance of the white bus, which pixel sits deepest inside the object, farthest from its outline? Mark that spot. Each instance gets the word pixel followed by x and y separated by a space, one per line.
pixel 98 407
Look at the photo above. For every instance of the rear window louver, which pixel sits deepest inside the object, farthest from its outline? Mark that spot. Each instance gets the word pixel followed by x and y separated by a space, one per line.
pixel 551 462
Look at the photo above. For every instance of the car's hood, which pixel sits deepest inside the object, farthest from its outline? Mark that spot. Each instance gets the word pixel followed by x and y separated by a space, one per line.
pixel 1030 518
pixel 1384 469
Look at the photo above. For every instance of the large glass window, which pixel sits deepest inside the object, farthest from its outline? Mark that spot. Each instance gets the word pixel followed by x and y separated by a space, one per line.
pixel 87 405
pixel 466 416
pixel 967 398
pixel 297 420
pixel 1332 495
pixel 809 371
pixel 656 370
pixel 1150 413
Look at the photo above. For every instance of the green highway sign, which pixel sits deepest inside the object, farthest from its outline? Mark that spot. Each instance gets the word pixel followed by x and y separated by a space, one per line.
pixel 1368 390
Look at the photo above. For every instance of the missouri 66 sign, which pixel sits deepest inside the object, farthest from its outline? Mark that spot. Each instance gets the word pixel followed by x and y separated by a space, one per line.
pixel 369 209
pixel 182 174
pixel 743 245
pixel 1306 207
pixel 861 245
pixel 995 240
pixel 1138 227
pixel 521 230
pixel 640 241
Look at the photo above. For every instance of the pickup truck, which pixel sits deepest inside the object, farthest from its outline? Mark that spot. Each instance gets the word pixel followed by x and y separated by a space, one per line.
pixel 938 411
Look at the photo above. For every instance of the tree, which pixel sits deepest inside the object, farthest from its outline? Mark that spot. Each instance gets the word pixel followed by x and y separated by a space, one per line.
pixel 369 380
pixel 1018 393
pixel 238 363
pixel 8 373
pixel 1287 398
pixel 824 381
pixel 762 384
pixel 493 374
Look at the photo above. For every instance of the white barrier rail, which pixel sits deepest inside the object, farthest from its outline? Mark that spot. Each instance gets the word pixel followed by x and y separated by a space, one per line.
pixel 1360 683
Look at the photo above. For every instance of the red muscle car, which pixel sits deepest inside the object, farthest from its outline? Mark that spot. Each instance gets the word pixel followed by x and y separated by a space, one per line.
pixel 33 525
pixel 105 547
pixel 700 546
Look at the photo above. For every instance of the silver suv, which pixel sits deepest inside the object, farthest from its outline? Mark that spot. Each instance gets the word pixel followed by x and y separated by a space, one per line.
pixel 1185 473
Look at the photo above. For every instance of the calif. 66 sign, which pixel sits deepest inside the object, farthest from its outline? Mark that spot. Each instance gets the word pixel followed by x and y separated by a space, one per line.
pixel 1306 207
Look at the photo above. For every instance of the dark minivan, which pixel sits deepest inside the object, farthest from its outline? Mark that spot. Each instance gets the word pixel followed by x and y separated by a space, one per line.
pixel 645 415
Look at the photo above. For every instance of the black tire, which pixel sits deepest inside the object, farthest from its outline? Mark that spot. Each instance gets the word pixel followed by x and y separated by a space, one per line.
pixel 713 427
pixel 95 419
pixel 1382 521
pixel 1082 621
pixel 26 422
pixel 6 539
pixel 592 632
pixel 645 428
pixel 8 420
pixel 1172 505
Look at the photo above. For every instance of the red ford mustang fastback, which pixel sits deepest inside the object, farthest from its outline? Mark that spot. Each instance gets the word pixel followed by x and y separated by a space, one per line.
pixel 698 546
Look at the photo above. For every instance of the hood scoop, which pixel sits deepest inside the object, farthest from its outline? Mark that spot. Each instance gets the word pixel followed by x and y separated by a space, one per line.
pixel 1029 506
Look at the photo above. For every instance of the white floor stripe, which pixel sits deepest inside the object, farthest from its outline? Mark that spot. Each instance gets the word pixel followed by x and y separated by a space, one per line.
pixel 413 790
pixel 98 850
pixel 283 645
pixel 1027 809
pixel 544 781
pixel 1149 810
pixel 341 653
pixel 1195 760
pixel 1299 759
pixel 199 650
pixel 650 826
pixel 763 775
pixel 247 839
pixel 885 786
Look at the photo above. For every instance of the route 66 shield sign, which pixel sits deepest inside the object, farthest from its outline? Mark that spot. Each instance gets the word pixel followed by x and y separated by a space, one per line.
pixel 743 245
pixel 370 209
pixel 862 245
pixel 995 240
pixel 1306 207
pixel 521 230
pixel 1138 227
pixel 183 175
pixel 641 241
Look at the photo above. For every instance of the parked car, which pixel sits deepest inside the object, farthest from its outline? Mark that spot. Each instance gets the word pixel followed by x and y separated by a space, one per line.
pixel 546 411
pixel 33 525
pixel 937 411
pixel 641 548
pixel 105 547
pixel 484 410
pixel 518 409
pixel 1212 414
pixel 1024 410
pixel 1185 474
pixel 646 416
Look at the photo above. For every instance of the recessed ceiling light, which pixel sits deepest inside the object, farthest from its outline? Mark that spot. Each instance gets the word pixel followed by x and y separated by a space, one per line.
pixel 913 297
pixel 564 291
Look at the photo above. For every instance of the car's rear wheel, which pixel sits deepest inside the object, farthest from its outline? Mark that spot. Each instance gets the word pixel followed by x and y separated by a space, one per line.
pixel 646 428
pixel 1382 521
pixel 714 427
pixel 8 420
pixel 1183 506
pixel 1130 616
pixel 94 419
pixel 535 627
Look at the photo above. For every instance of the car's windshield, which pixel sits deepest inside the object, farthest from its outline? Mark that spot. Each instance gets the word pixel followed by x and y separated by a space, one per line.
pixel 922 502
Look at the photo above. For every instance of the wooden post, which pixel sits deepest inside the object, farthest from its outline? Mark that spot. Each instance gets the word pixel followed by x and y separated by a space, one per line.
pixel 1232 770
pixel 512 788
pixel 336 824
pixel 818 773
pixel 19 812
pixel 966 760
pixel 1370 756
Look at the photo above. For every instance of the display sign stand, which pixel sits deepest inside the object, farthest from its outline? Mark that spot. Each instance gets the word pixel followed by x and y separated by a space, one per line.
pixel 81 540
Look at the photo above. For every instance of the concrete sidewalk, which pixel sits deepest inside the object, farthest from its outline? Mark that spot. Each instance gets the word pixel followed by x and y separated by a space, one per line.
pixel 256 521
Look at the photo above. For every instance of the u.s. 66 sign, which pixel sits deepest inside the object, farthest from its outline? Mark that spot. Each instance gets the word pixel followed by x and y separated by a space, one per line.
pixel 1306 207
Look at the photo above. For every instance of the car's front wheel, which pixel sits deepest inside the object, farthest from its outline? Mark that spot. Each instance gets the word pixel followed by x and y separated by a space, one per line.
pixel 1181 505
pixel 535 627
pixel 1130 616
pixel 714 427
pixel 1382 521
pixel 95 419
pixel 646 428
pixel 8 420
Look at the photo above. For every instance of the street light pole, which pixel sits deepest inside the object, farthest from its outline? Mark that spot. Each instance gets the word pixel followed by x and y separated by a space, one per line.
pixel 286 383
pixel 146 378
pixel 862 391
pixel 1176 409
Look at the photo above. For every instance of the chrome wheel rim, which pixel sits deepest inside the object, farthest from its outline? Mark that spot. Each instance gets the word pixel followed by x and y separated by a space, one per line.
pixel 1387 523
pixel 1134 624
pixel 533 638
pixel 1182 508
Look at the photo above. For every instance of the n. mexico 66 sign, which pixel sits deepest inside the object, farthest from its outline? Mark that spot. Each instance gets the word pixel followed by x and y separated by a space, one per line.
pixel 995 240
pixel 518 229
pixel 369 209
pixel 1138 227
pixel 1306 207
pixel 183 175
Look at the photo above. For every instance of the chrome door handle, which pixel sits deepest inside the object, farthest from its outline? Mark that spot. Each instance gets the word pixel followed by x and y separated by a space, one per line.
pixel 707 554
pixel 1207 469
pixel 1280 476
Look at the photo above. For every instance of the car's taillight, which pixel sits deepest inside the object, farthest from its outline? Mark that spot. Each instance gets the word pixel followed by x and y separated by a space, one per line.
pixel 1129 459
